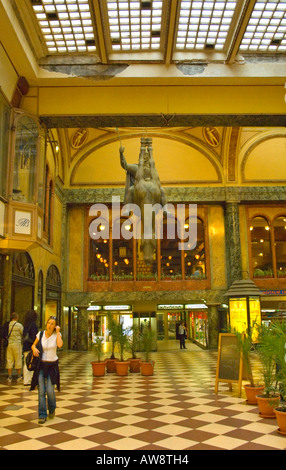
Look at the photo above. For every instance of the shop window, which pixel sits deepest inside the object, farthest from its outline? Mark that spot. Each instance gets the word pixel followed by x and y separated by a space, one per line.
pixel 280 245
pixel 145 271
pixel 99 258
pixel 122 268
pixel 23 284
pixel 171 265
pixel 4 143
pixel 24 175
pixel 23 266
pixel 195 262
pixel 261 247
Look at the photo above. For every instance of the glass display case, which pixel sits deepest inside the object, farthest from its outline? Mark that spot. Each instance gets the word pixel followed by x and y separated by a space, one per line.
pixel 4 143
pixel 22 222
pixel 25 160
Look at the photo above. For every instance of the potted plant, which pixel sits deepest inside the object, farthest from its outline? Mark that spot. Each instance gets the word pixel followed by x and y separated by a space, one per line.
pixel 122 340
pixel 147 341
pixel 280 411
pixel 98 367
pixel 244 343
pixel 133 345
pixel 112 327
pixel 267 351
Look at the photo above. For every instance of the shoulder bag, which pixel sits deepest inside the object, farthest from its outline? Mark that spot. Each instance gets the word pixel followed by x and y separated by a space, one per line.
pixel 32 361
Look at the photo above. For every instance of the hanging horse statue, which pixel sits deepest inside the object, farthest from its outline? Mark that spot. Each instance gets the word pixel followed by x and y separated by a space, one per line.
pixel 143 187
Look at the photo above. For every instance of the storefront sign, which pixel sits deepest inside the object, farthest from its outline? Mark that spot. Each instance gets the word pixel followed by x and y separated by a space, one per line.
pixel 23 222
pixel 117 307
pixel 274 292
pixel 195 306
pixel 171 307
pixel 53 294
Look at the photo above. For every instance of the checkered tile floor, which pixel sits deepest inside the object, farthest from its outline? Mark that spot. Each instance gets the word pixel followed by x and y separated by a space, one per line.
pixel 176 409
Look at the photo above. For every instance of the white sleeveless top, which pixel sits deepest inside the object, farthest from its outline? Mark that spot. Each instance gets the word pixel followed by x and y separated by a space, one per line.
pixel 49 347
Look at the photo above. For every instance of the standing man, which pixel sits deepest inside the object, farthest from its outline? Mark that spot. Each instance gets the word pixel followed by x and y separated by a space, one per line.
pixel 182 335
pixel 14 349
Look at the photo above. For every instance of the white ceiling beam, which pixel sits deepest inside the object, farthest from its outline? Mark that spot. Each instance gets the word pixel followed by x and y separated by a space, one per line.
pixel 100 32
pixel 171 31
pixel 239 30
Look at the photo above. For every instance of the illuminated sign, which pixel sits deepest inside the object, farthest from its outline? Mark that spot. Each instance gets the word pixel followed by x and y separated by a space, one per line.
pixel 117 307
pixel 171 307
pixel 195 306
pixel 239 319
pixel 238 314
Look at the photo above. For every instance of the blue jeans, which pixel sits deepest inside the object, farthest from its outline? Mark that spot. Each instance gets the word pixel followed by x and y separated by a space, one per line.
pixel 46 388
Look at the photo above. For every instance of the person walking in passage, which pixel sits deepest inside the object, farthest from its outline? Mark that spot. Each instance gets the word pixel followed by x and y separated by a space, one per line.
pixel 47 374
pixel 182 335
pixel 29 336
pixel 14 349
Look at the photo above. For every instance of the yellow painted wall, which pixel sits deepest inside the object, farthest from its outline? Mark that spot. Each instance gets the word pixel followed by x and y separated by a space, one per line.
pixel 175 162
pixel 8 75
pixel 97 100
pixel 217 246
pixel 267 161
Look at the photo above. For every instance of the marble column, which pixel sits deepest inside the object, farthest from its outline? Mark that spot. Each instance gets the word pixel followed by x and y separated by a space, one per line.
pixel 213 324
pixel 233 246
pixel 82 328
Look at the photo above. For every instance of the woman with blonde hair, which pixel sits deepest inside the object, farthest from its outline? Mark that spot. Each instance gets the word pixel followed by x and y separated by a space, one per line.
pixel 47 374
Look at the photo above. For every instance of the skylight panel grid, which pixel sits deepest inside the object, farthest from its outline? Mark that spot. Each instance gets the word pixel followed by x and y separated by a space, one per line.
pixel 204 24
pixel 135 25
pixel 266 30
pixel 66 25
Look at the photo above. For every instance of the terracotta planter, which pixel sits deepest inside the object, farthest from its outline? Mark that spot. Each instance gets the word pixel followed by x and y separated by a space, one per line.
pixel 252 392
pixel 98 369
pixel 147 368
pixel 281 421
pixel 110 365
pixel 122 367
pixel 134 365
pixel 267 405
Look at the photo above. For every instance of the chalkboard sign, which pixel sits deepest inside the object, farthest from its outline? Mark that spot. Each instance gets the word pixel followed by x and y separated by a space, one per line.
pixel 229 363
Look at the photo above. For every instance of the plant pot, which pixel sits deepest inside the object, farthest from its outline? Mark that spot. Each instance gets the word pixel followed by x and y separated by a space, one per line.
pixel 98 369
pixel 267 405
pixel 122 367
pixel 134 365
pixel 110 365
pixel 281 420
pixel 147 368
pixel 252 392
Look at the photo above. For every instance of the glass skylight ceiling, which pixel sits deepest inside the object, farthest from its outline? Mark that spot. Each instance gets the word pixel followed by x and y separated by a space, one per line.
pixel 204 24
pixel 266 30
pixel 135 26
pixel 66 25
